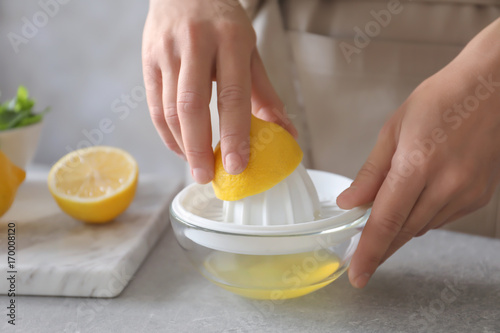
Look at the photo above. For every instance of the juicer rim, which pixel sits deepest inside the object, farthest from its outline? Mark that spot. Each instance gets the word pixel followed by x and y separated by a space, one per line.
pixel 358 223
pixel 342 222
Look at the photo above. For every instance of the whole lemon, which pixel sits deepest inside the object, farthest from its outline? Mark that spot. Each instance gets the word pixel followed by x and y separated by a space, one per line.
pixel 274 155
pixel 11 177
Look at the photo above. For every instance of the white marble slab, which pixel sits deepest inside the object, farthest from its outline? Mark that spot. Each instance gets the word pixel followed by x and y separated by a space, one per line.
pixel 59 256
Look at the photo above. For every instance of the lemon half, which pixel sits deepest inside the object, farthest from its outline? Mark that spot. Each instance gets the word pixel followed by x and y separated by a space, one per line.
pixel 274 155
pixel 94 184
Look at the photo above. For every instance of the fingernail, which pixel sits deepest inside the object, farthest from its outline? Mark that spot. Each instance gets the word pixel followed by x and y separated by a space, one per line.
pixel 361 280
pixel 233 163
pixel 342 195
pixel 200 175
pixel 350 189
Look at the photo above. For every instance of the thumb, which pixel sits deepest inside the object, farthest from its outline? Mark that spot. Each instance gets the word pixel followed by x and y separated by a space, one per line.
pixel 369 179
pixel 266 103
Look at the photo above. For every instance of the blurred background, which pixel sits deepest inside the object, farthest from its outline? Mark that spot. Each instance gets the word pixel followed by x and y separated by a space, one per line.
pixel 83 59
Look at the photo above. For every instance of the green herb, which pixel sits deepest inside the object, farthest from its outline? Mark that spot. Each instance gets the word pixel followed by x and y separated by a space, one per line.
pixel 18 112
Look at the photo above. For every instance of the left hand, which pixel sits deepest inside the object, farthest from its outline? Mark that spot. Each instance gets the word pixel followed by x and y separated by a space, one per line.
pixel 435 160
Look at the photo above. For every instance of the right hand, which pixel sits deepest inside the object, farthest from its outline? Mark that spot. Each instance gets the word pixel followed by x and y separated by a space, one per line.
pixel 188 44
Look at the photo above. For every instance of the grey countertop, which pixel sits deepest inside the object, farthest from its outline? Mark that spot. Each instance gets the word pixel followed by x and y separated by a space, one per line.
pixel 441 282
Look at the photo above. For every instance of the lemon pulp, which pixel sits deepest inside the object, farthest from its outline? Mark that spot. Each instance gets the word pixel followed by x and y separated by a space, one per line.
pixel 273 277
pixel 94 184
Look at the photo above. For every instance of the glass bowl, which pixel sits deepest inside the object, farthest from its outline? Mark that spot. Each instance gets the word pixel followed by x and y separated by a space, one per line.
pixel 268 262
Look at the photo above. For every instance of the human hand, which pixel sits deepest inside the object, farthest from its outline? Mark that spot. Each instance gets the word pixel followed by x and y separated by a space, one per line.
pixel 188 44
pixel 435 160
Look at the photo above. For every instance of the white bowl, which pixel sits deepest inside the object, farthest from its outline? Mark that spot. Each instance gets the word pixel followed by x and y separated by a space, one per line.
pixel 19 144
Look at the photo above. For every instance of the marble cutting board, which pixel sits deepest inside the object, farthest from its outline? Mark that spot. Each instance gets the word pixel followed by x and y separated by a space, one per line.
pixel 59 256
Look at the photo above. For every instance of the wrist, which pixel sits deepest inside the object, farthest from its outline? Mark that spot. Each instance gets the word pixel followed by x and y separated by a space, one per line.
pixel 484 50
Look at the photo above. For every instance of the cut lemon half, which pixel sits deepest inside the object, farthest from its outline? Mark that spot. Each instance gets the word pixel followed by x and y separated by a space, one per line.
pixel 94 184
pixel 274 155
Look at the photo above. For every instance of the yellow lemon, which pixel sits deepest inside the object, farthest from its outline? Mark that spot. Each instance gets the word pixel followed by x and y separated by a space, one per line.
pixel 94 184
pixel 274 155
pixel 10 178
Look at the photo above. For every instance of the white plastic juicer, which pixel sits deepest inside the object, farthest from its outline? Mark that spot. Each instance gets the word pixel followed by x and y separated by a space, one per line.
pixel 303 204
pixel 293 200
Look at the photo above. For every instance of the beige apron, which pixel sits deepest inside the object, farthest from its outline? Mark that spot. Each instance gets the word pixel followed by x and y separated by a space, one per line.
pixel 339 100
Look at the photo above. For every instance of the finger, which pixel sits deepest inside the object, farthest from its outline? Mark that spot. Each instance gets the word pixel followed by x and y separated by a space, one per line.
pixel 170 78
pixel 441 219
pixel 450 219
pixel 428 205
pixel 434 200
pixel 193 98
pixel 457 209
pixel 153 85
pixel 453 217
pixel 464 202
pixel 266 103
pixel 233 98
pixel 391 208
pixel 367 183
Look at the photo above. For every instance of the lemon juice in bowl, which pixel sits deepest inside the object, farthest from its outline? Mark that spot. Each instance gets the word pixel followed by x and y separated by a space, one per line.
pixel 271 277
